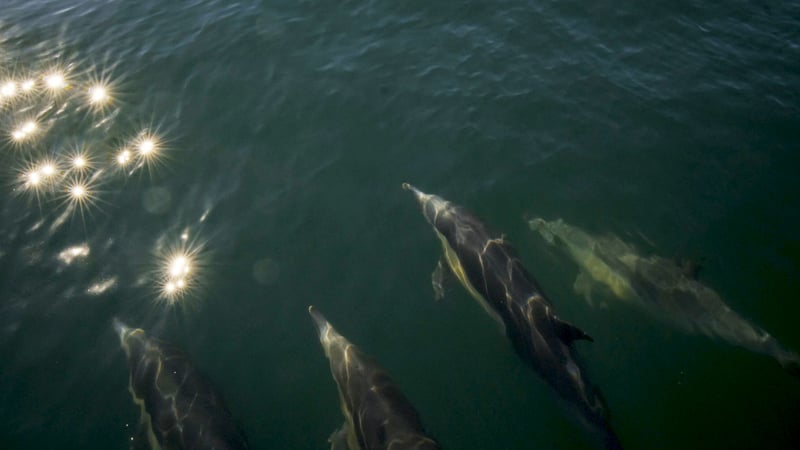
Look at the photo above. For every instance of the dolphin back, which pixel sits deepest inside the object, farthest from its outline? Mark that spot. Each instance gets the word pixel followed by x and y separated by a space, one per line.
pixel 180 406
pixel 378 414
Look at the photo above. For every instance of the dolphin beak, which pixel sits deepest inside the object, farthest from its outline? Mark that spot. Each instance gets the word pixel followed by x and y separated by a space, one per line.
pixel 319 320
pixel 421 196
pixel 537 223
pixel 120 328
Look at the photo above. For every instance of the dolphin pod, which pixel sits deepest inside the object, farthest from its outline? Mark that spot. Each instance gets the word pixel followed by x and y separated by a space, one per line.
pixel 180 408
pixel 489 269
pixel 377 414
pixel 661 287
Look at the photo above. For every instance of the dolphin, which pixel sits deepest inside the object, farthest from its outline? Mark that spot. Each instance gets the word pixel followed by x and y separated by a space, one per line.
pixel 491 272
pixel 180 408
pixel 660 286
pixel 377 414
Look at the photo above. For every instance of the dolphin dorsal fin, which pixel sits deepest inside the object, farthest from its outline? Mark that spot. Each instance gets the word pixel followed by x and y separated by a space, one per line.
pixel 569 332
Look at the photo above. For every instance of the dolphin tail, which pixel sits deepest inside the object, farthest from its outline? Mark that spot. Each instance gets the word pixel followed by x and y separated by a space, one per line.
pixel 612 441
pixel 793 369
pixel 791 364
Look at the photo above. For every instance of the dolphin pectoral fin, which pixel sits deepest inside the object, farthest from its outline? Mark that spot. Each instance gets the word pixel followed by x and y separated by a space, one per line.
pixel 583 286
pixel 569 332
pixel 338 439
pixel 438 277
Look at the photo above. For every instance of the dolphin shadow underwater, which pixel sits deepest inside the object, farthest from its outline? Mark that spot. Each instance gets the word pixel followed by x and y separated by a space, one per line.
pixel 180 407
pixel 660 286
pixel 487 266
pixel 377 414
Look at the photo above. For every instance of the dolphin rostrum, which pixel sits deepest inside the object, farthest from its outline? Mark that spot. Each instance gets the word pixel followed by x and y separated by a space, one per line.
pixel 489 269
pixel 660 286
pixel 180 408
pixel 377 414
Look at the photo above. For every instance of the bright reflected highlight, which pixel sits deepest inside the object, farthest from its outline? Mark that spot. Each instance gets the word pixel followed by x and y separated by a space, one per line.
pixel 67 256
pixel 55 81
pixel 24 131
pixel 8 89
pixel 99 96
pixel 123 157
pixel 179 270
pixel 79 162
pixel 175 275
pixel 28 85
pixel 80 195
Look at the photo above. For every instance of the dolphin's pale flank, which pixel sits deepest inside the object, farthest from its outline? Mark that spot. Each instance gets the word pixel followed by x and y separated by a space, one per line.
pixel 180 408
pixel 660 286
pixel 489 269
pixel 377 414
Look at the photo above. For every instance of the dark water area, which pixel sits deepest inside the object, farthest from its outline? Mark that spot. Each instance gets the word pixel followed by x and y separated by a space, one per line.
pixel 286 130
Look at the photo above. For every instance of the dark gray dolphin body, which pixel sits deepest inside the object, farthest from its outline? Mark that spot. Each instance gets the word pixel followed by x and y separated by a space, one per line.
pixel 180 408
pixel 661 287
pixel 490 270
pixel 377 414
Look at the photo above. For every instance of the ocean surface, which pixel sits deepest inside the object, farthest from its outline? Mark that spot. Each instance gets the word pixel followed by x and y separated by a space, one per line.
pixel 268 141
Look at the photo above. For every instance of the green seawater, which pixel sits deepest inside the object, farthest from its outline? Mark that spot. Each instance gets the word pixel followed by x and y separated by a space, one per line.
pixel 287 129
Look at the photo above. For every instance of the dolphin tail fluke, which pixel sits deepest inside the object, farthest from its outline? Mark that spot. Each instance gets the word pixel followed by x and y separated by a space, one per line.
pixel 793 369
pixel 612 441
pixel 791 364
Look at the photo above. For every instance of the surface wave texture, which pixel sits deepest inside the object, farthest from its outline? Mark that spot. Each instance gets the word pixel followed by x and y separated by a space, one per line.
pixel 267 144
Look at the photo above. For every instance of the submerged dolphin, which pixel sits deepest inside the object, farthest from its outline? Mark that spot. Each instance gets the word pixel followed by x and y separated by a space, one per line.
pixel 377 414
pixel 660 286
pixel 180 408
pixel 490 270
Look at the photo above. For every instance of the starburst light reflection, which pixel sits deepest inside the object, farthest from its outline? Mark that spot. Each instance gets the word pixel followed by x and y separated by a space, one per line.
pixel 80 194
pixel 55 81
pixel 8 89
pixel 123 157
pixel 99 95
pixel 24 131
pixel 179 271
pixel 79 160
pixel 149 148
pixel 38 177
pixel 28 85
